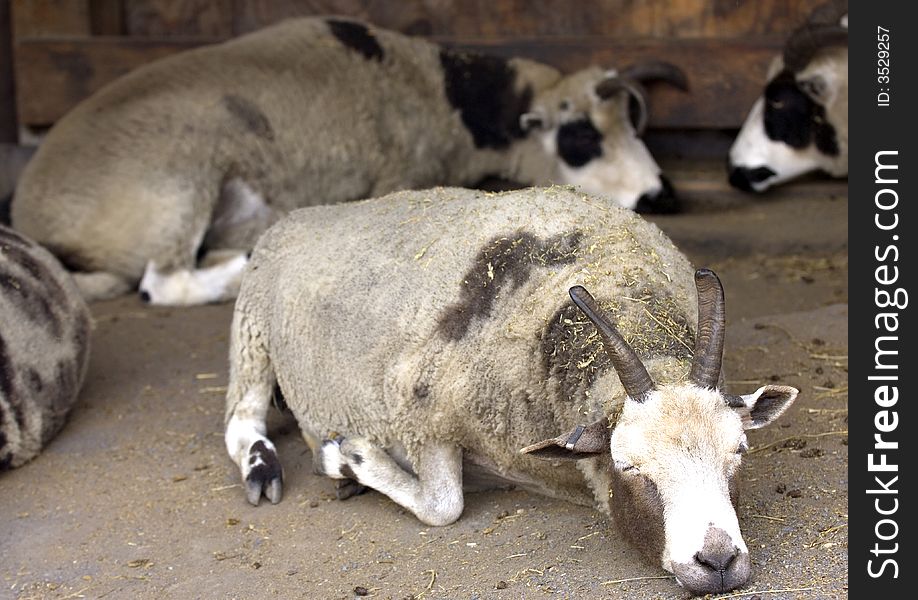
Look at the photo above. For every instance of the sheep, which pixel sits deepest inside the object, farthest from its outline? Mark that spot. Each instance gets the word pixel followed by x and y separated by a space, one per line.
pixel 44 347
pixel 800 124
pixel 167 176
pixel 422 338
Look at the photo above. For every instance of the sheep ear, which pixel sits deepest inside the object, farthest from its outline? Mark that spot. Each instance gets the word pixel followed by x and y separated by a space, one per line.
pixel 584 441
pixel 817 88
pixel 764 405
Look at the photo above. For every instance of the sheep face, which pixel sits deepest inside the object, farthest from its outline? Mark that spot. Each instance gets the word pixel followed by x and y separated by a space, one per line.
pixel 675 451
pixel 588 127
pixel 673 491
pixel 800 124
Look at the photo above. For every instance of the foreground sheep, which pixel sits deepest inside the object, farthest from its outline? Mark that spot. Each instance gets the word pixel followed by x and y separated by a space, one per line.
pixel 44 347
pixel 197 154
pixel 423 338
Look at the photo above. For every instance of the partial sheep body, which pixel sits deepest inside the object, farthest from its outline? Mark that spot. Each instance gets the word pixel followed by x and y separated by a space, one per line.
pixel 426 337
pixel 463 316
pixel 44 347
pixel 800 124
pixel 200 152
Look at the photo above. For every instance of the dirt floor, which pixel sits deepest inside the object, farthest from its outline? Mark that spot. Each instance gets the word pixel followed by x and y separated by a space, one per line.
pixel 136 498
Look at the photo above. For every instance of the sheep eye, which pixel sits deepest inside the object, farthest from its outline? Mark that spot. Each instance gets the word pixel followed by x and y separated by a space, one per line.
pixel 625 467
pixel 564 105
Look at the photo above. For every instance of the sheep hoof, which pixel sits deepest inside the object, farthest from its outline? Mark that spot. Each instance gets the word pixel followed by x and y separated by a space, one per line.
pixel 345 488
pixel 266 475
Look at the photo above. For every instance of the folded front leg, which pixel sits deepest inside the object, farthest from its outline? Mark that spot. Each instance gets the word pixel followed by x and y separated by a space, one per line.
pixel 434 494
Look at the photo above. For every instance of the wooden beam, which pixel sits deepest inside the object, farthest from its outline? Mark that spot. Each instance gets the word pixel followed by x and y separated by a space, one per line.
pixel 8 129
pixel 725 75
pixel 52 76
pixel 50 18
pixel 106 17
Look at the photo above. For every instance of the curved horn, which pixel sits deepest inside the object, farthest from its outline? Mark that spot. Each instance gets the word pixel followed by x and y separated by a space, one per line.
pixel 830 12
pixel 612 85
pixel 631 371
pixel 806 41
pixel 657 70
pixel 709 343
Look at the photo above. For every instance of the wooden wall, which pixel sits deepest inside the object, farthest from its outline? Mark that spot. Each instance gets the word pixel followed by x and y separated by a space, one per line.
pixel 7 105
pixel 65 49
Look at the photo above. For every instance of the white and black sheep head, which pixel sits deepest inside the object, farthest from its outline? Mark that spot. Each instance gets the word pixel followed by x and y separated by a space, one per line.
pixel 589 125
pixel 800 124
pixel 675 451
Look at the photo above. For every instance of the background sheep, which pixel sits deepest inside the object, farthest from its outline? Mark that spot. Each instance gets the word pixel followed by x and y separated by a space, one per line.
pixel 44 347
pixel 801 122
pixel 198 153
pixel 423 338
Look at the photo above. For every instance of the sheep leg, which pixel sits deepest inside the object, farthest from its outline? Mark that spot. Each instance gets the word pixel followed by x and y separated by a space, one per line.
pixel 101 285
pixel 226 238
pixel 251 450
pixel 434 495
pixel 182 287
pixel 248 398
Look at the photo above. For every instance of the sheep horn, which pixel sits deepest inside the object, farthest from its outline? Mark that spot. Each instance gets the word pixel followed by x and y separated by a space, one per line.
pixel 610 86
pixel 806 41
pixel 657 70
pixel 709 343
pixel 631 371
pixel 829 12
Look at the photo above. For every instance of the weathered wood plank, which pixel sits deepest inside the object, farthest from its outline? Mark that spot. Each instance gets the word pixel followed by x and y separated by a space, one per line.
pixel 172 18
pixel 491 19
pixel 7 100
pixel 725 76
pixel 39 18
pixel 53 76
pixel 106 17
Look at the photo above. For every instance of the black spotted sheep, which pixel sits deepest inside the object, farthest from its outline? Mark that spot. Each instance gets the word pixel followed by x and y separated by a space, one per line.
pixel 424 338
pixel 166 177
pixel 800 124
pixel 44 347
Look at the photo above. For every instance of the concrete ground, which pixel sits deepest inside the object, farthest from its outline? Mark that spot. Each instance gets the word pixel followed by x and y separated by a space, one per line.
pixel 136 497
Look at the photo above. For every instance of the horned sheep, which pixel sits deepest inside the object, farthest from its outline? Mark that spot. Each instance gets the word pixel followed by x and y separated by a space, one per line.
pixel 167 176
pixel 800 124
pixel 44 347
pixel 422 339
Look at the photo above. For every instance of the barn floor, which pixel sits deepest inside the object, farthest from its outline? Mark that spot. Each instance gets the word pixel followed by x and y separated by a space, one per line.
pixel 137 499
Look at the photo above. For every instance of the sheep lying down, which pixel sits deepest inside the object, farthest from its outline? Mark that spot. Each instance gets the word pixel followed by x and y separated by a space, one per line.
pixel 164 179
pixel 429 336
pixel 44 347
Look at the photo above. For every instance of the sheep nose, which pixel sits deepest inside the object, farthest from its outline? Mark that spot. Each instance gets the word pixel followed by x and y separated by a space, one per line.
pixel 661 201
pixel 717 559
pixel 718 550
pixel 743 178
pixel 718 567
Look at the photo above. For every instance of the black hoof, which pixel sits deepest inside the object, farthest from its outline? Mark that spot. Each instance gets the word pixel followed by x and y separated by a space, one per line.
pixel 345 488
pixel 266 476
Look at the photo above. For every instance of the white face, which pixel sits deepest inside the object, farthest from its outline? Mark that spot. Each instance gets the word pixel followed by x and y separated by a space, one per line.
pixel 753 150
pixel 624 172
pixel 675 458
pixel 591 143
pixel 806 129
